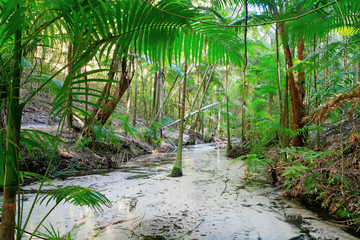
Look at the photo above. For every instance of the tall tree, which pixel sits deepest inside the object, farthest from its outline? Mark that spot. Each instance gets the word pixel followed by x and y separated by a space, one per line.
pixel 177 169
pixel 228 144
pixel 243 118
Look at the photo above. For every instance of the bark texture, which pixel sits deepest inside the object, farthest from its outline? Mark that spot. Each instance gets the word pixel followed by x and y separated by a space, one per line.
pixel 297 91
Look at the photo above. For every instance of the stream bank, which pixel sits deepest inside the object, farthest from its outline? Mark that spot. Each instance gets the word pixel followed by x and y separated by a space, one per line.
pixel 211 201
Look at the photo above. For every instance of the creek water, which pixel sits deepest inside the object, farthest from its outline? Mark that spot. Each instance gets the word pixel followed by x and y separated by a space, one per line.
pixel 211 201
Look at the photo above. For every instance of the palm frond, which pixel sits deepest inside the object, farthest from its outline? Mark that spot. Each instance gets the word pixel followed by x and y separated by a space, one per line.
pixel 331 53
pixel 76 195
pixel 39 139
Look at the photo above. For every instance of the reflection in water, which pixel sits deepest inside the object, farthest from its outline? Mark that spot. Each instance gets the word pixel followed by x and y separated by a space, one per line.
pixel 211 201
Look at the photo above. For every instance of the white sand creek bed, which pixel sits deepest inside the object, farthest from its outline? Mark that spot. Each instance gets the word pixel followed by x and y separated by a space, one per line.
pixel 211 201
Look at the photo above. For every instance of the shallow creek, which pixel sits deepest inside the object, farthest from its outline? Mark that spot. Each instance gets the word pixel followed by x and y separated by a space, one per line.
pixel 211 201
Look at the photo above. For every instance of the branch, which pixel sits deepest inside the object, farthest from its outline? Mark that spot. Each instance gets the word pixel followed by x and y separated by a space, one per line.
pixel 206 107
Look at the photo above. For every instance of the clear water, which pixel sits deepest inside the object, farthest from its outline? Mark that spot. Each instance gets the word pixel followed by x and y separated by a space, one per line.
pixel 211 201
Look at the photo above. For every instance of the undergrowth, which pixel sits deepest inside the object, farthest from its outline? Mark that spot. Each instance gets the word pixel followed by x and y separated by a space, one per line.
pixel 329 178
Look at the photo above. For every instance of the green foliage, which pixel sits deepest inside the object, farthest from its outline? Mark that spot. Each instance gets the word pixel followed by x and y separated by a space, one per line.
pixel 293 172
pixel 254 162
pixel 81 142
pixel 53 234
pixel 76 195
pixel 37 176
pixel 106 134
pixel 39 140
pixel 125 123
pixel 53 85
pixel 310 156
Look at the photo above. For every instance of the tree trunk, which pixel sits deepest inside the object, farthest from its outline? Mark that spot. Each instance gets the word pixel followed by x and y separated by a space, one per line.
pixel 243 120
pixel 160 99
pixel 199 90
pixel 154 103
pixel 86 97
pixel 143 93
pixel 194 125
pixel 218 119
pixel 286 111
pixel 228 144
pixel 296 90
pixel 128 101
pixel 316 98
pixel 109 106
pixel 177 169
pixel 281 137
pixel 135 103
pixel 102 114
pixel 11 178
pixel 326 73
pixel 70 117
pixel 114 67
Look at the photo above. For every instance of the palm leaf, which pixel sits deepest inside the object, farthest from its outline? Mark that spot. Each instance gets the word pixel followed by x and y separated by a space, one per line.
pixel 76 195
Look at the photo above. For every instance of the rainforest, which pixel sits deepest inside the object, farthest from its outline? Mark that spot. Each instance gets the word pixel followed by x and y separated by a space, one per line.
pixel 180 119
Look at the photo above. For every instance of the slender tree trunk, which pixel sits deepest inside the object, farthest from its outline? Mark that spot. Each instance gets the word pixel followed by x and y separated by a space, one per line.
pixel 286 111
pixel 135 103
pixel 128 101
pixel 296 91
pixel 160 98
pixel 199 89
pixel 177 169
pixel 326 69
pixel 300 138
pixel 358 71
pixel 143 92
pixel 228 144
pixel 316 98
pixel 154 103
pixel 219 123
pixel 86 96
pixel 282 111
pixel 194 125
pixel 279 81
pixel 167 96
pixel 70 117
pixel 243 120
pixel 11 178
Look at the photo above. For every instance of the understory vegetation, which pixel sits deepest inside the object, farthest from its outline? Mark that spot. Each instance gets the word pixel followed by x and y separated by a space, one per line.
pixel 89 84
